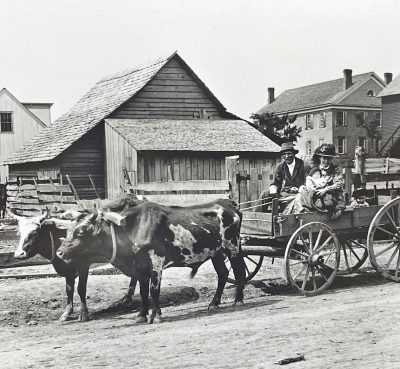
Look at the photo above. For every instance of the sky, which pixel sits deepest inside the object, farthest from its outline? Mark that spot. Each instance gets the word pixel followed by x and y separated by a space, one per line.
pixel 56 50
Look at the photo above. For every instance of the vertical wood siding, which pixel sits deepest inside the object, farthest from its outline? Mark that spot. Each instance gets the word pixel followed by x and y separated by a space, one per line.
pixel 119 155
pixel 172 94
pixel 390 118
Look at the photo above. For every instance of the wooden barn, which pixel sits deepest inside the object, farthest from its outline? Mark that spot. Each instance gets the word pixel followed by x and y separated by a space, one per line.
pixel 154 123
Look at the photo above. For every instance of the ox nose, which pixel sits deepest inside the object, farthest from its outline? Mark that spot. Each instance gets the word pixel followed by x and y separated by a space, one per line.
pixel 60 253
pixel 20 254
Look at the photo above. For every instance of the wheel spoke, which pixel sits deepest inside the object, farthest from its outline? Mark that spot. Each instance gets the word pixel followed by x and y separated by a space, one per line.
pixel 248 258
pixel 385 231
pixel 324 244
pixel 313 278
pixel 247 269
pixel 397 265
pixel 300 271
pixel 311 240
pixel 353 252
pixel 298 262
pixel 318 238
pixel 300 253
pixel 358 244
pixel 305 244
pixel 320 272
pixel 305 278
pixel 391 258
pixel 393 223
pixel 386 249
pixel 345 256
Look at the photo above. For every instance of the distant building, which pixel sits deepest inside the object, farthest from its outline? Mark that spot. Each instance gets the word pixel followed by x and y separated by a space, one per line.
pixel 331 112
pixel 19 122
pixel 391 119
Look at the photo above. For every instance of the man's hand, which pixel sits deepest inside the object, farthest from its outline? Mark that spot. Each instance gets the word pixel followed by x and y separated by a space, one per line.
pixel 294 190
pixel 321 192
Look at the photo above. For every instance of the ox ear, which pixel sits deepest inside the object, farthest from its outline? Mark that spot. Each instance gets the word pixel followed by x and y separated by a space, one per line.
pixel 115 218
pixel 70 215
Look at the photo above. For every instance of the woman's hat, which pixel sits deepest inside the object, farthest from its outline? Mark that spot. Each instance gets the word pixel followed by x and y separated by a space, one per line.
pixel 327 150
pixel 288 146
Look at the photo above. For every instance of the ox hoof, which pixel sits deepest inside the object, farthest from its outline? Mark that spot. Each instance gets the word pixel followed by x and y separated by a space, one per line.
pixel 65 317
pixel 155 320
pixel 213 307
pixel 83 317
pixel 141 319
pixel 238 303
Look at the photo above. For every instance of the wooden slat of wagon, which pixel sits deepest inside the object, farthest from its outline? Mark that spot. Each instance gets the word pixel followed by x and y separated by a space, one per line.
pixel 202 185
pixel 256 223
pixel 43 188
pixel 183 199
pixel 349 220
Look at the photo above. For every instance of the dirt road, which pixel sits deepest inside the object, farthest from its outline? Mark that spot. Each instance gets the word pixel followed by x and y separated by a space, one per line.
pixel 354 325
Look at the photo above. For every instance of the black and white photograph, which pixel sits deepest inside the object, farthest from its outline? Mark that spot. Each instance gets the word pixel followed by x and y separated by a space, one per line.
pixel 199 184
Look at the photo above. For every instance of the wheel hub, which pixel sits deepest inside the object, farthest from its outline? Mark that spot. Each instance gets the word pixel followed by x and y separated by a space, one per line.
pixel 316 259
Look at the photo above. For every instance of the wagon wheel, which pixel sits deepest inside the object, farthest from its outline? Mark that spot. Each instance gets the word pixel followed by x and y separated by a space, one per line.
pixel 353 253
pixel 312 258
pixel 252 264
pixel 384 241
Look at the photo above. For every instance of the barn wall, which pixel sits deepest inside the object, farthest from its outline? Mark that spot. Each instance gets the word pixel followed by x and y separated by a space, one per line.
pixel 153 166
pixel 172 94
pixel 120 155
pixel 84 157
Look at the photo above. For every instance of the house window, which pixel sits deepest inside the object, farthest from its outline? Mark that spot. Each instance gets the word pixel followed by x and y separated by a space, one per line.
pixel 308 148
pixel 377 118
pixel 322 120
pixel 360 118
pixel 321 141
pixel 377 146
pixel 370 93
pixel 340 119
pixel 341 145
pixel 362 142
pixel 6 122
pixel 309 122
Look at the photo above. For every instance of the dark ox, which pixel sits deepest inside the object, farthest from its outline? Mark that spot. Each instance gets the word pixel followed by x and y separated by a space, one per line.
pixel 3 199
pixel 152 237
pixel 41 235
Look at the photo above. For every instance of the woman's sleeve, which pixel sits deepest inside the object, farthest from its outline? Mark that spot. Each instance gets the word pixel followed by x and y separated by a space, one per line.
pixel 338 180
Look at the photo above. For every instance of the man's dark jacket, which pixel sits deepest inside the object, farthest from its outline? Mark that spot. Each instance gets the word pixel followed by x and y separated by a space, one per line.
pixel 283 179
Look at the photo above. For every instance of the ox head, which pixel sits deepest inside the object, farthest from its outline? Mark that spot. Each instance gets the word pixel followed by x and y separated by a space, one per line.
pixel 87 241
pixel 28 233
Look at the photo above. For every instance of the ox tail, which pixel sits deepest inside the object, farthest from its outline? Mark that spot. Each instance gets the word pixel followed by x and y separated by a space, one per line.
pixel 194 271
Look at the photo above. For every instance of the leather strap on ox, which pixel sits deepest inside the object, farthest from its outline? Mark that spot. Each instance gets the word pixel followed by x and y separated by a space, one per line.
pixel 114 243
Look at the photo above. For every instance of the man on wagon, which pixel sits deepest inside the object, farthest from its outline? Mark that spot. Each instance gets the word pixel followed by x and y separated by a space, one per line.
pixel 289 175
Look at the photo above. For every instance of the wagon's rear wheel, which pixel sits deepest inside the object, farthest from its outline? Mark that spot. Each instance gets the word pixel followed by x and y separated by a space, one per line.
pixel 353 253
pixel 312 258
pixel 252 264
pixel 384 241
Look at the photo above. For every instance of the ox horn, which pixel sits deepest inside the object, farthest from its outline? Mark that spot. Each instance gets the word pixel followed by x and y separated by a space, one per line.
pixel 12 215
pixel 93 217
pixel 46 214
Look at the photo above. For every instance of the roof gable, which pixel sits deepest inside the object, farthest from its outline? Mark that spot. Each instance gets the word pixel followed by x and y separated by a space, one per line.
pixel 192 135
pixel 319 94
pixel 393 88
pixel 4 91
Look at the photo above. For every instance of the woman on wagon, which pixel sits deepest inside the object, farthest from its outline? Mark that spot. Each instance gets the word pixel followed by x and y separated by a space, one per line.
pixel 324 189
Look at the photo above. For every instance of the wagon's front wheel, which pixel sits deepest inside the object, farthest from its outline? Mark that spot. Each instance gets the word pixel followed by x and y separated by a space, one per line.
pixel 312 258
pixel 384 241
pixel 252 264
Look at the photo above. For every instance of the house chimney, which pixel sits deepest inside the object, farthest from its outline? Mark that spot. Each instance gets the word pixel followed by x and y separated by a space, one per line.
pixel 271 95
pixel 388 77
pixel 347 78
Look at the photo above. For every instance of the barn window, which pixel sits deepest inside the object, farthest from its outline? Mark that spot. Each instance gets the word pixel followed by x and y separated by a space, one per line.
pixel 6 122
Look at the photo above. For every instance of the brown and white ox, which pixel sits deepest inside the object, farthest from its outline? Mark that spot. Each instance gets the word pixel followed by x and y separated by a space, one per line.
pixel 145 239
pixel 41 235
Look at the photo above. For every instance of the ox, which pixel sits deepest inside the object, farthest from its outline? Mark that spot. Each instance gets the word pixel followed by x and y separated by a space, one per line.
pixel 3 199
pixel 41 235
pixel 143 240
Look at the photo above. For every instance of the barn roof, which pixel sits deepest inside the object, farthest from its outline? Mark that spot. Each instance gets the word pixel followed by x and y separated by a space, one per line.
pixel 393 88
pixel 192 135
pixel 98 103
pixel 324 93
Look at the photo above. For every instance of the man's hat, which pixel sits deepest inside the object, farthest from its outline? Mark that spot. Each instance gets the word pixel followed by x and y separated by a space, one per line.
pixel 327 150
pixel 288 146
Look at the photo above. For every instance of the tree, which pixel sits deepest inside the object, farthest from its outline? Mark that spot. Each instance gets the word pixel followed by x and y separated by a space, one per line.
pixel 278 129
pixel 371 127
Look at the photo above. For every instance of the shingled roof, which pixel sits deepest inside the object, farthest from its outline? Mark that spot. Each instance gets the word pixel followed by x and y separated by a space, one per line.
pixel 319 94
pixel 393 88
pixel 192 135
pixel 98 103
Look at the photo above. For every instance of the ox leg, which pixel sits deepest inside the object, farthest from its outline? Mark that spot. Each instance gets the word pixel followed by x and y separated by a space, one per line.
pixel 69 288
pixel 239 270
pixel 155 284
pixel 127 298
pixel 144 301
pixel 222 272
pixel 82 287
